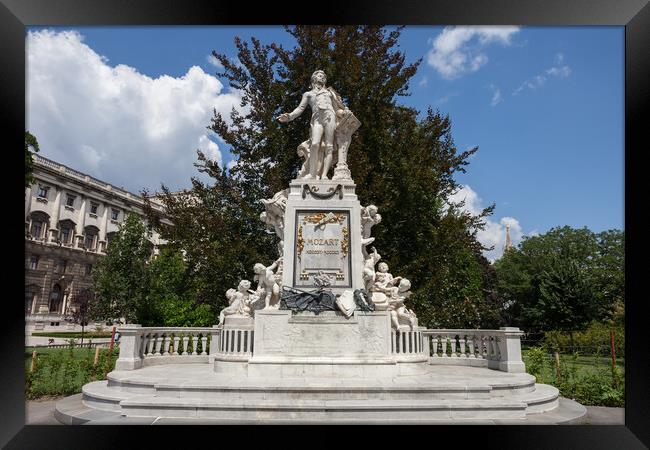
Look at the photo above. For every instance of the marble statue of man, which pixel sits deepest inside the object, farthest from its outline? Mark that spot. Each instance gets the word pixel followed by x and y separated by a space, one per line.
pixel 268 284
pixel 325 106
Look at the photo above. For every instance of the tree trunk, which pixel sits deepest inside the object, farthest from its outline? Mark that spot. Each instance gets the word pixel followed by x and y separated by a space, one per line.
pixel 571 341
pixel 82 332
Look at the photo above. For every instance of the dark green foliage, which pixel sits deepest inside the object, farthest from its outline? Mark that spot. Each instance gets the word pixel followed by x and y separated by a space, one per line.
pixel 592 383
pixel 401 162
pixel 172 293
pixel 65 371
pixel 151 292
pixel 119 279
pixel 30 143
pixel 564 279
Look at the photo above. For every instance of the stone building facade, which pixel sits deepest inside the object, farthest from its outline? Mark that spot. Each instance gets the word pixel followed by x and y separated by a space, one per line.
pixel 70 219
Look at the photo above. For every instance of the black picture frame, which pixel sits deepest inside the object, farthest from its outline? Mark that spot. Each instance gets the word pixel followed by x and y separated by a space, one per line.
pixel 634 15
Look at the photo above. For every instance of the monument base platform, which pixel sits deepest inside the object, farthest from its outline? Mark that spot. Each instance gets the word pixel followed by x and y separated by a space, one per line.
pixel 194 392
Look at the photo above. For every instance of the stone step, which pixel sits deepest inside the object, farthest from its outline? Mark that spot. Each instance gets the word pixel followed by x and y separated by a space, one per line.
pixel 99 395
pixel 543 398
pixel 492 408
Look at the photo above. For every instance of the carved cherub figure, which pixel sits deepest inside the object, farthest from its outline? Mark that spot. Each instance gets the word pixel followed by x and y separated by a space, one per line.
pixel 369 269
pixel 233 305
pixel 268 281
pixel 369 217
pixel 398 294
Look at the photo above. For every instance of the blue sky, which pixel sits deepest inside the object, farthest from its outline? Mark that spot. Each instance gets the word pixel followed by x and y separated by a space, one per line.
pixel 545 105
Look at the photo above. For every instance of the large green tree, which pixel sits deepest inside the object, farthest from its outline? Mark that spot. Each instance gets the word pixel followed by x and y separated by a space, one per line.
pixel 402 161
pixel 120 279
pixel 563 279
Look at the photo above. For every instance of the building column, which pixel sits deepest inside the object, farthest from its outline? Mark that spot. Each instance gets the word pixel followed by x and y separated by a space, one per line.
pixel 28 202
pixel 103 230
pixel 55 215
pixel 82 221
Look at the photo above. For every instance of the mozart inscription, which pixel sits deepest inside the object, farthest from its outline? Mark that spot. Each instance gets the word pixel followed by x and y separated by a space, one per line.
pixel 322 249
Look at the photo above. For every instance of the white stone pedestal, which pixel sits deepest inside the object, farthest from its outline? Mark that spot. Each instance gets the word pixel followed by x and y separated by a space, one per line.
pixel 333 246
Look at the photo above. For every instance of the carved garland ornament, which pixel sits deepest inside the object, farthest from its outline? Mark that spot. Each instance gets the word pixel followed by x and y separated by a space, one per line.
pixel 318 218
pixel 300 245
pixel 344 242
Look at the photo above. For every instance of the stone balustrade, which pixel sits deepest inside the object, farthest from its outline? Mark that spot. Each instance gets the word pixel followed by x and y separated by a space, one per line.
pixel 143 346
pixel 408 343
pixel 496 349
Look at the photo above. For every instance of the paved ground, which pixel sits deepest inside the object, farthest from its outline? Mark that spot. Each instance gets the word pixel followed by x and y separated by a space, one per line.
pixel 41 412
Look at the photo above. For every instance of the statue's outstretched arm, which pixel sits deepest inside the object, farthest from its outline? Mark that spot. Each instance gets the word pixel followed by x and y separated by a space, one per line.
pixel 299 110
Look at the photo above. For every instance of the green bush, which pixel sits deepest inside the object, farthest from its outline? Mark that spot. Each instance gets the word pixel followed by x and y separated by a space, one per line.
pixel 60 373
pixel 592 385
pixel 595 340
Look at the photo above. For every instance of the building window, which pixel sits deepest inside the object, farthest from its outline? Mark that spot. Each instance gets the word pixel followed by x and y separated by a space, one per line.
pixel 94 207
pixel 89 240
pixel 62 266
pixel 33 263
pixel 90 237
pixel 89 268
pixel 42 191
pixel 109 239
pixel 69 200
pixel 115 214
pixel 65 235
pixel 37 229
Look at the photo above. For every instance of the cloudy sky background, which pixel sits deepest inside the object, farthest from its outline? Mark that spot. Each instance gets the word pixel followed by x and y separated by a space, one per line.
pixel 130 106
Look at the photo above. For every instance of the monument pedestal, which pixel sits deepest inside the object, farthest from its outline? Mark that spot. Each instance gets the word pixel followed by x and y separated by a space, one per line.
pixel 322 235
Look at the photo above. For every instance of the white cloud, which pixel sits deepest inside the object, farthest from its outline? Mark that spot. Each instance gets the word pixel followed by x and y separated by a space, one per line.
pixel 459 50
pixel 214 61
pixel 494 233
pixel 115 123
pixel 496 95
pixel 444 99
pixel 424 82
pixel 559 70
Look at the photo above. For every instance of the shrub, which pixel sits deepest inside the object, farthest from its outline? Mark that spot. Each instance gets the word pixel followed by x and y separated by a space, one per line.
pixel 59 373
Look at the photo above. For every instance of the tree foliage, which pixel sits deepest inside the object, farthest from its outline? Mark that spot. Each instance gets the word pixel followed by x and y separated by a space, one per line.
pixel 401 161
pixel 564 279
pixel 30 143
pixel 120 280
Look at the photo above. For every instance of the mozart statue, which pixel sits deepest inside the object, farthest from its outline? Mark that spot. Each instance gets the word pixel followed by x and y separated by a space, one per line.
pixel 332 125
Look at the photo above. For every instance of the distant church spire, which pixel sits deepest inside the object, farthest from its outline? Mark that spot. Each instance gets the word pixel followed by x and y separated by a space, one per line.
pixel 508 245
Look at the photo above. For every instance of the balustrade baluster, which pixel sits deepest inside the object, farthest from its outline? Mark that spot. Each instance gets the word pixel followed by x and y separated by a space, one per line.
pixel 152 341
pixel 392 342
pixel 470 345
pixel 177 338
pixel 204 344
pixel 453 347
pixel 186 339
pixel 167 342
pixel 434 341
pixel 194 339
pixel 159 340
pixel 489 348
pixel 461 341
